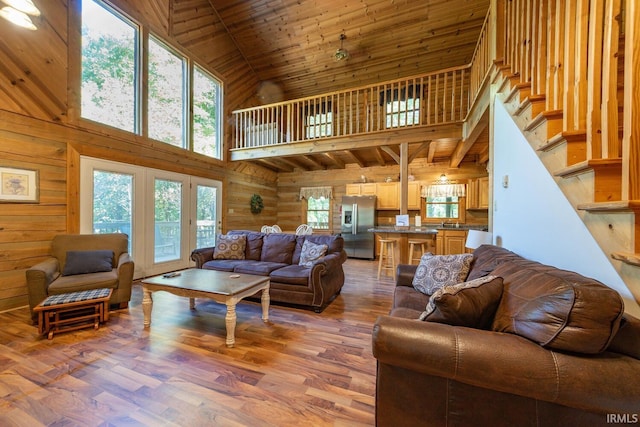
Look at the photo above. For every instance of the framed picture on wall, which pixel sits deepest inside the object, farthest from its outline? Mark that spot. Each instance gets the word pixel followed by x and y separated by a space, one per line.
pixel 18 185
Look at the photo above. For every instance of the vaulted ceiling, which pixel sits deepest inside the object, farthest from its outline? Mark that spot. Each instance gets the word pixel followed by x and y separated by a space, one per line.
pixel 291 43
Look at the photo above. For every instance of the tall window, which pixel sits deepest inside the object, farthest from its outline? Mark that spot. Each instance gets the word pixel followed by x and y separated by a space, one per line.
pixel 318 213
pixel 109 65
pixel 166 94
pixel 206 99
pixel 112 76
pixel 319 120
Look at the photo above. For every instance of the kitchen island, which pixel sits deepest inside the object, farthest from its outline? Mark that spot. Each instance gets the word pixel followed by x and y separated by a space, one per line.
pixel 402 235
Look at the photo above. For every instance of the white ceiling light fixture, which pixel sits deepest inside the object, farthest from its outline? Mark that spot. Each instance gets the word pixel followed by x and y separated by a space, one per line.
pixel 24 6
pixel 18 11
pixel 341 54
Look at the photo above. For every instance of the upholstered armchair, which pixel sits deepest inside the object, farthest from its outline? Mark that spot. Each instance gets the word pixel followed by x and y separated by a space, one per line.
pixel 83 261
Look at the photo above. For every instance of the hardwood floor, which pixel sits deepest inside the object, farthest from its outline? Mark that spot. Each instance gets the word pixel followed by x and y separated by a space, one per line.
pixel 299 369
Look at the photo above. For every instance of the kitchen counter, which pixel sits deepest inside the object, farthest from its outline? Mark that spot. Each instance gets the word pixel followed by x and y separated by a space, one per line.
pixel 409 230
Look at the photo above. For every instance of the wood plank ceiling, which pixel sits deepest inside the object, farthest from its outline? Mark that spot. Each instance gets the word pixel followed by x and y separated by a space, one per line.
pixel 289 44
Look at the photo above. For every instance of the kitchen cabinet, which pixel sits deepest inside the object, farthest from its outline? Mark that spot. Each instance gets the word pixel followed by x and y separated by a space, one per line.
pixel 478 193
pixel 413 196
pixel 388 195
pixel 365 189
pixel 450 242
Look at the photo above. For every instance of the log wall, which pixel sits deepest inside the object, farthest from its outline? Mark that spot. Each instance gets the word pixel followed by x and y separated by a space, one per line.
pixel 39 128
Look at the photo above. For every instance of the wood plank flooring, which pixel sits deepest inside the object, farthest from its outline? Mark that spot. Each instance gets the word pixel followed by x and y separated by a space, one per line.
pixel 299 369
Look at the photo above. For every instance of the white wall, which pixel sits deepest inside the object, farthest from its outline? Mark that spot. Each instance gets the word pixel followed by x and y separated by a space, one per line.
pixel 533 218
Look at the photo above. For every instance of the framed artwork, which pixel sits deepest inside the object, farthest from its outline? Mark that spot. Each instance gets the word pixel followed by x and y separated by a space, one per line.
pixel 18 185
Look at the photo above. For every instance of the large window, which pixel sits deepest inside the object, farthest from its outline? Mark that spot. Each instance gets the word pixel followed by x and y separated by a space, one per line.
pixel 184 102
pixel 442 207
pixel 318 212
pixel 402 106
pixel 109 65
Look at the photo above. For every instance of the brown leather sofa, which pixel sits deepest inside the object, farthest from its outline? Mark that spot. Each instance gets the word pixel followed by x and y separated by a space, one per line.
pixel 48 277
pixel 436 374
pixel 277 255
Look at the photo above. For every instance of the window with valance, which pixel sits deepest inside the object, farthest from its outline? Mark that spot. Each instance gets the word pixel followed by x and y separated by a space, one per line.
pixel 317 206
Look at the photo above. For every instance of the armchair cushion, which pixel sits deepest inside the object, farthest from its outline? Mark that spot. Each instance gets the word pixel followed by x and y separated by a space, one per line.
pixel 437 271
pixel 83 262
pixel 472 304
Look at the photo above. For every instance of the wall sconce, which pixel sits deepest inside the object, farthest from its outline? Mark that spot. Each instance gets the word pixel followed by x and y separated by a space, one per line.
pixel 18 11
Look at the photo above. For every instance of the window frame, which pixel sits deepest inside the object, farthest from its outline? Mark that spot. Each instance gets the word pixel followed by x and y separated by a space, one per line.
pixel 460 203
pixel 329 210
pixel 322 114
pixel 141 118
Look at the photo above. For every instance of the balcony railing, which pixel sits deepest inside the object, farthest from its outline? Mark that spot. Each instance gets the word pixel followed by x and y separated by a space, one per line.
pixel 430 99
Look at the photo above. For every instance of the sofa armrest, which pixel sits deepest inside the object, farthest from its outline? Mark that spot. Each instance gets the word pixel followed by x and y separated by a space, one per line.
pixel 125 269
pixel 508 363
pixel 39 277
pixel 202 255
pixel 404 274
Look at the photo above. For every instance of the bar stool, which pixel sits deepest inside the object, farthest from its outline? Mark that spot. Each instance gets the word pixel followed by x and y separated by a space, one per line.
pixel 412 244
pixel 387 259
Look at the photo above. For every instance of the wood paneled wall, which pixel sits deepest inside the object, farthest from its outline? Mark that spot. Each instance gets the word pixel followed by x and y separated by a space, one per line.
pixel 290 208
pixel 38 84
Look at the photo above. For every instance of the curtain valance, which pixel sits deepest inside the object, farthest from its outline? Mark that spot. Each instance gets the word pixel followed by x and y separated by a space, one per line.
pixel 316 192
pixel 443 190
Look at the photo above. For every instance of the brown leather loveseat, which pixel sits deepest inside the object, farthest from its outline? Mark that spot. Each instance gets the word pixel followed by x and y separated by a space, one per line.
pixel 557 351
pixel 278 256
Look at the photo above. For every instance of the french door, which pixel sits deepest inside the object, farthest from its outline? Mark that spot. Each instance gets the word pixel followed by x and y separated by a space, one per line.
pixel 165 214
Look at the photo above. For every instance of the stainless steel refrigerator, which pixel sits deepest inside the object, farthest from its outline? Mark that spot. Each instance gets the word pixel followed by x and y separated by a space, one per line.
pixel 358 215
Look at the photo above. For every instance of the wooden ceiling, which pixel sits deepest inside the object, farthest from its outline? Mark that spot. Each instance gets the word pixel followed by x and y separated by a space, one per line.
pixel 290 46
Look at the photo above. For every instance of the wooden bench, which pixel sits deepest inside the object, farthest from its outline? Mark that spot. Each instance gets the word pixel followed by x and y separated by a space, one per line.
pixel 71 311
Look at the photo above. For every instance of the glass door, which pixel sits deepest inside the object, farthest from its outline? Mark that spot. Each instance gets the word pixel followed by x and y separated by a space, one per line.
pixel 207 195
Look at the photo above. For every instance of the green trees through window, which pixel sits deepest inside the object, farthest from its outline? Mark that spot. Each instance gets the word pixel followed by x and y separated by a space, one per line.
pixel 112 77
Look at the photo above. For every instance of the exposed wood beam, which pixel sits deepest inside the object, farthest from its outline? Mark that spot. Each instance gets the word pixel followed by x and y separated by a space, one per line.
pixel 379 157
pixel 377 139
pixel 465 145
pixel 484 155
pixel 314 162
pixel 422 147
pixel 392 153
pixel 335 159
pixel 291 161
pixel 432 151
pixel 274 165
pixel 356 159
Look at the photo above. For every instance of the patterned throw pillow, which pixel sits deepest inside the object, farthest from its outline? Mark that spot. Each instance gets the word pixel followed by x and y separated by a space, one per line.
pixel 472 304
pixel 437 271
pixel 230 246
pixel 311 252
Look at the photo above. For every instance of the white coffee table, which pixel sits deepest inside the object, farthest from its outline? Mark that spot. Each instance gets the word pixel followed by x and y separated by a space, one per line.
pixel 223 287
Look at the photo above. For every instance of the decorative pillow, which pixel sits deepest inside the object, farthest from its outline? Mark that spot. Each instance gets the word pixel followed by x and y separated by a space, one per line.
pixel 437 271
pixel 311 252
pixel 230 246
pixel 82 262
pixel 471 304
pixel 559 310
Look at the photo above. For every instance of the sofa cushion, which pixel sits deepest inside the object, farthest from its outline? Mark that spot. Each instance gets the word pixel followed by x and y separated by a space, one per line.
pixel 222 264
pixel 558 309
pixel 437 271
pixel 291 275
pixel 471 304
pixel 278 247
pixel 230 246
pixel 260 268
pixel 408 297
pixel 254 243
pixel 311 252
pixel 83 262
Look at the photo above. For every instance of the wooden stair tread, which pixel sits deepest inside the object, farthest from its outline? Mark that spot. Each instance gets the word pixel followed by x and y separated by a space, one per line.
pixel 529 100
pixel 561 137
pixel 516 89
pixel 545 115
pixel 617 206
pixel 627 258
pixel 588 165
